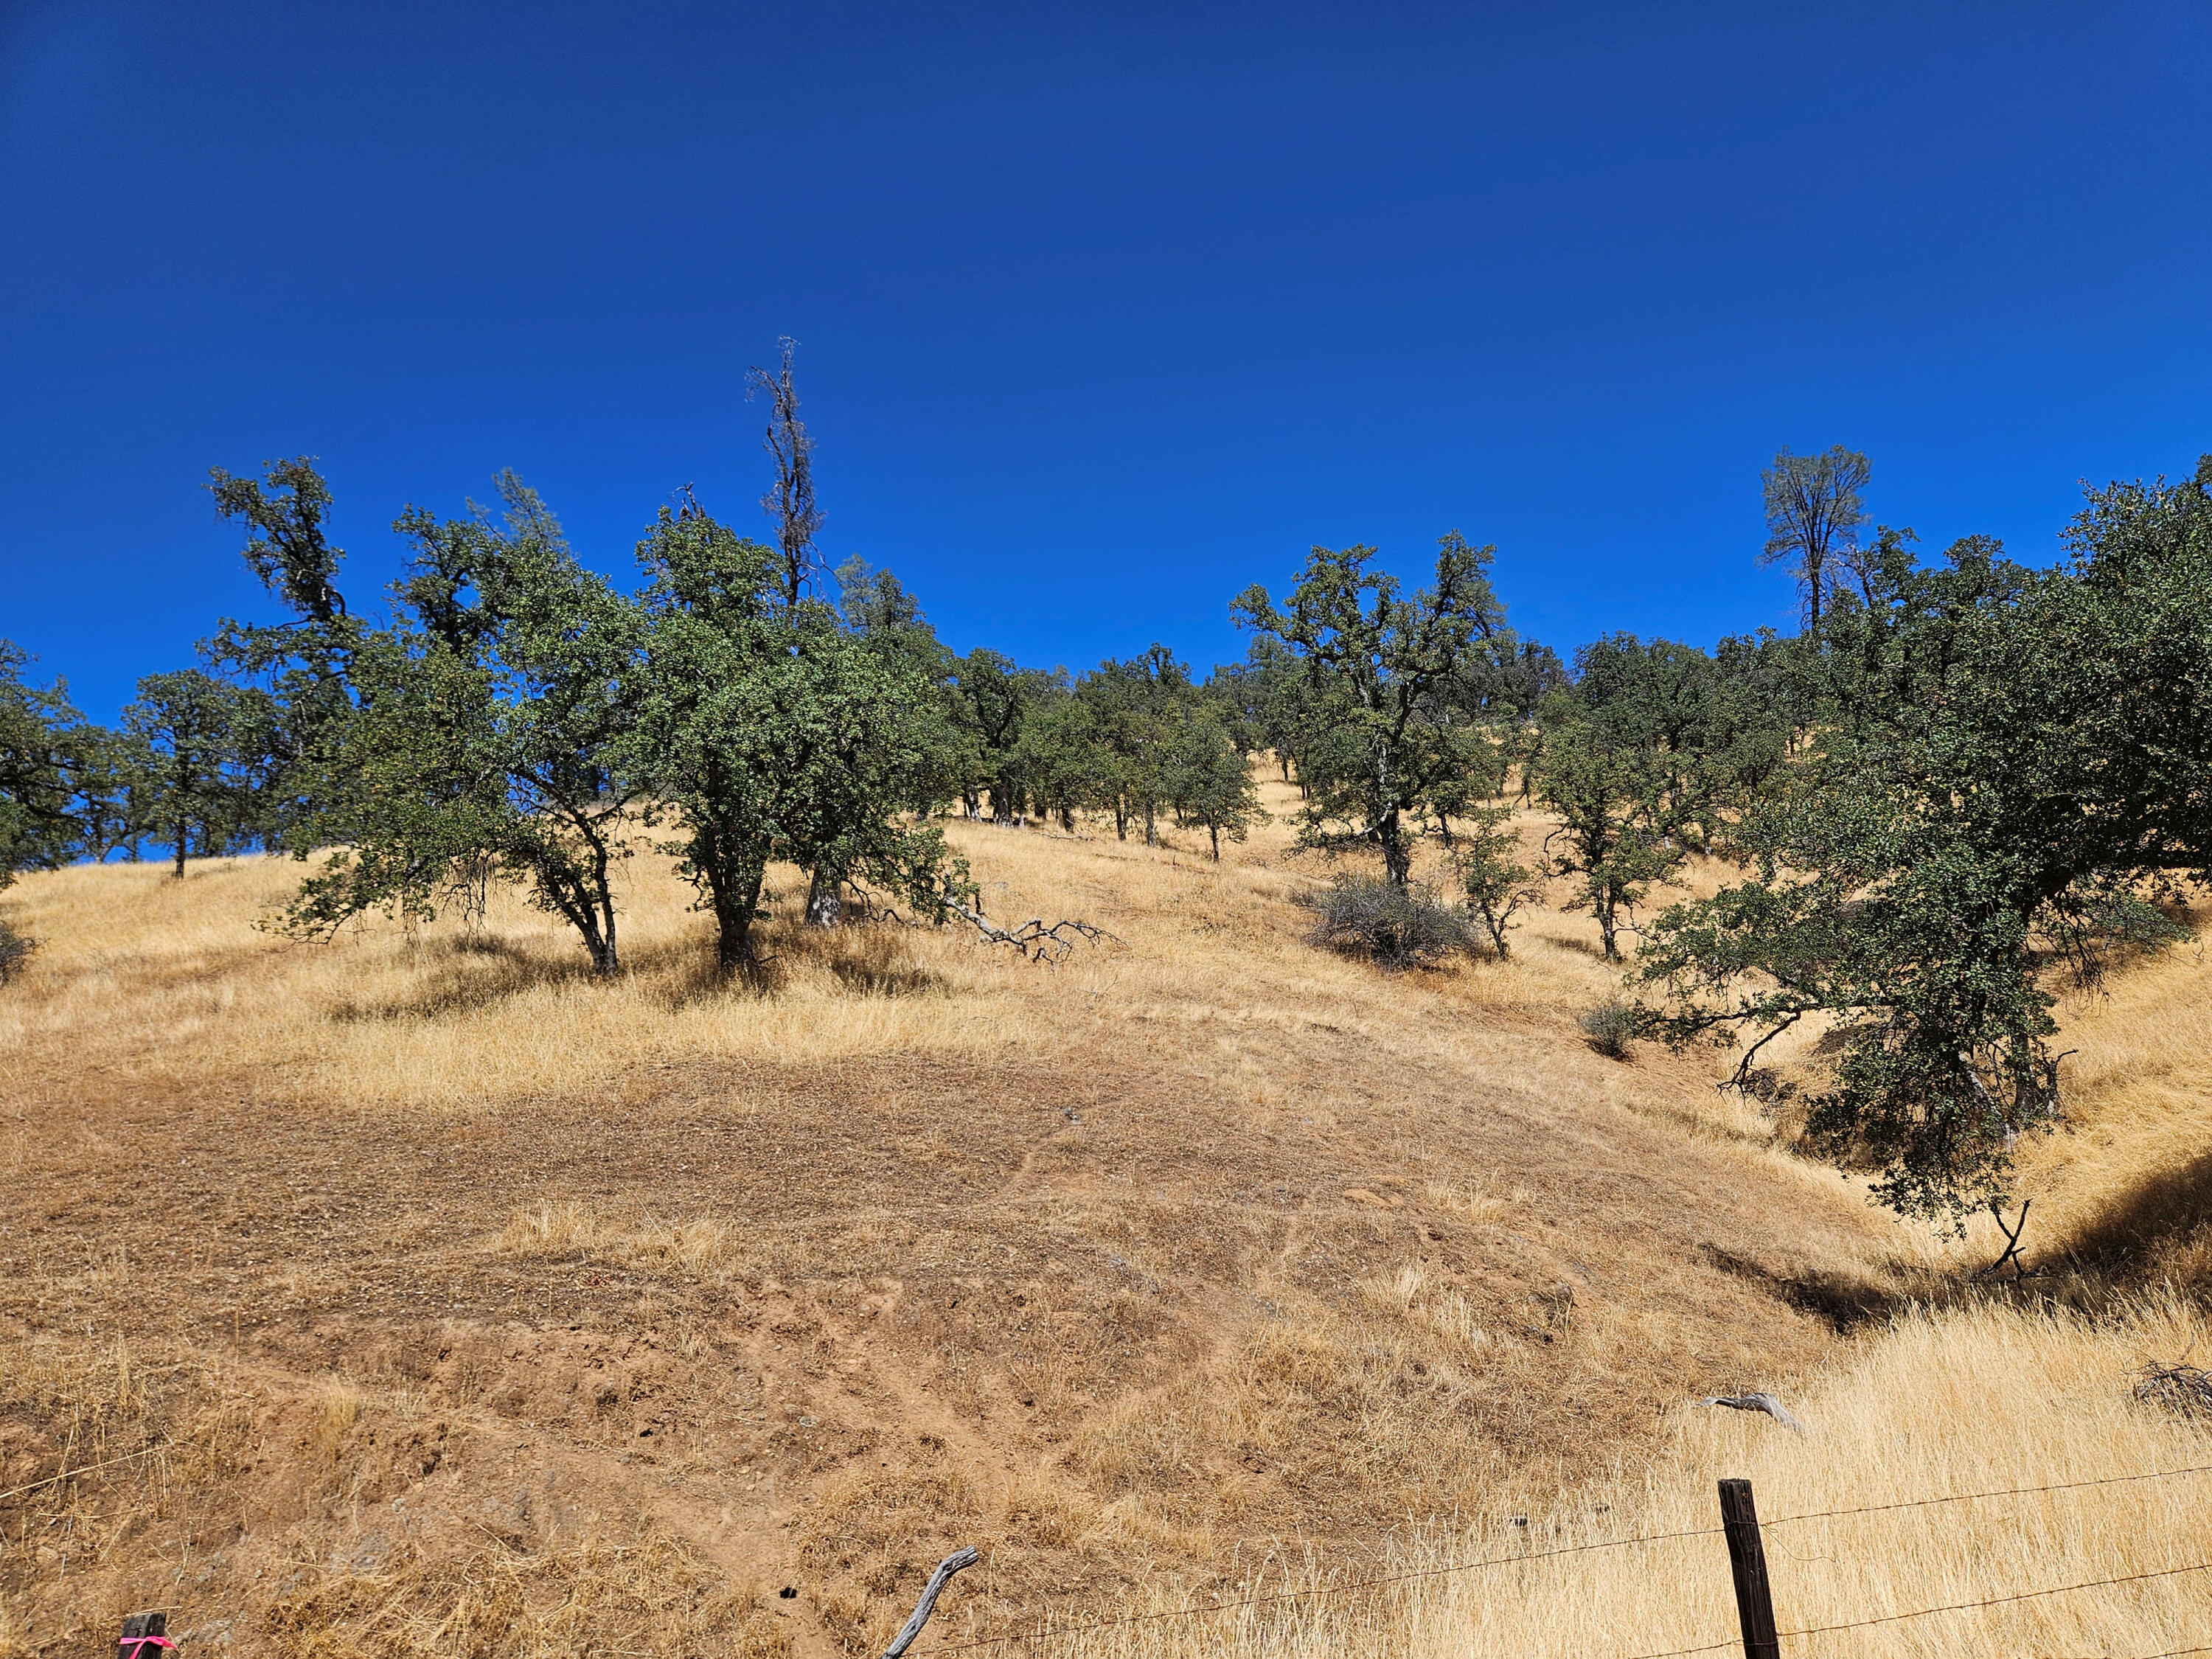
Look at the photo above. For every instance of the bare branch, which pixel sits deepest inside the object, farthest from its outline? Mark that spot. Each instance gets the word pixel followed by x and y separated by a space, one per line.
pixel 790 505
pixel 1741 1079
pixel 2012 1241
pixel 1035 940
pixel 963 1557
pixel 1756 1402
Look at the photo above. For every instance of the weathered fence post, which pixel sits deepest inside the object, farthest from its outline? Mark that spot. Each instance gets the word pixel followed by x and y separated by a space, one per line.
pixel 1754 1602
pixel 145 1636
pixel 951 1564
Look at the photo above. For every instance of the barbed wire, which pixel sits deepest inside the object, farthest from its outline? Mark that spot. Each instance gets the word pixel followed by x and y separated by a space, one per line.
pixel 1955 1606
pixel 1971 1496
pixel 1317 1591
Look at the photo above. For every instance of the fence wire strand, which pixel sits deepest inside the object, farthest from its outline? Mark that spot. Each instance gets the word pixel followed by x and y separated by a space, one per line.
pixel 1971 1496
pixel 1955 1606
pixel 1317 1591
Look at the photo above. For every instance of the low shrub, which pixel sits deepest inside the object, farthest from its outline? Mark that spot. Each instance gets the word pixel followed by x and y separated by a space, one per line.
pixel 2183 1389
pixel 1611 1026
pixel 1395 926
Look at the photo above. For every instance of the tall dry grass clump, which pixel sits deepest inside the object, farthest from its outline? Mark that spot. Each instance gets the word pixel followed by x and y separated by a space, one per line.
pixel 1990 1400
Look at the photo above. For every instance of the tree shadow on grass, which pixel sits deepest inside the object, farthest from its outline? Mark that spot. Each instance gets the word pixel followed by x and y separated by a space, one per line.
pixel 462 976
pixel 1581 947
pixel 2161 1229
pixel 867 958
pixel 1844 1300
pixel 474 972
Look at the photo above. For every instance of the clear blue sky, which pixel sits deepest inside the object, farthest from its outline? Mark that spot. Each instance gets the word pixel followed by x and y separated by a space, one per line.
pixel 1105 310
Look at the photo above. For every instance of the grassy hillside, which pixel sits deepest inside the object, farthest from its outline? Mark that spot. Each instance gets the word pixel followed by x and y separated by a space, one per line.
pixel 414 1294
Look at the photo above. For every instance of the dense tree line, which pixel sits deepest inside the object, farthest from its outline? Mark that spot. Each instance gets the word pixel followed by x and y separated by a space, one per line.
pixel 1960 779
pixel 508 713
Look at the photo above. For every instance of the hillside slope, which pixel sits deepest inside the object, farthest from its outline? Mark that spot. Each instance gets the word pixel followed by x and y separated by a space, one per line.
pixel 414 1293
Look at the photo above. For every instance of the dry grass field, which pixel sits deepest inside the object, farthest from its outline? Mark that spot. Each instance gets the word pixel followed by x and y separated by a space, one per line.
pixel 414 1294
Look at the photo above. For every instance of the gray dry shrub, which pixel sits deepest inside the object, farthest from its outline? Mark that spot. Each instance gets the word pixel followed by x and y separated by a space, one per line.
pixel 1394 926
pixel 2182 1388
pixel 1611 1026
pixel 14 951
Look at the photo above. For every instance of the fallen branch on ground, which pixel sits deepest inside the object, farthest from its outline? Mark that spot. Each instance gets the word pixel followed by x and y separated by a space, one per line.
pixel 963 1557
pixel 1756 1402
pixel 1035 939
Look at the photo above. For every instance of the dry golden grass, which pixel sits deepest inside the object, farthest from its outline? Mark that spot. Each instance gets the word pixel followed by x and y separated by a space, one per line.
pixel 2000 1386
pixel 547 1311
pixel 2130 1189
pixel 159 982
pixel 1987 1400
pixel 568 1229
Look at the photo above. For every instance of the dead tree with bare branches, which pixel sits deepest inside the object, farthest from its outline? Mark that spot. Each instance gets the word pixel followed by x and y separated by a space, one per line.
pixel 790 504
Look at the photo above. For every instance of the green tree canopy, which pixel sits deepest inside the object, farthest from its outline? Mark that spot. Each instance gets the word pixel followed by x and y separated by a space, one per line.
pixel 49 756
pixel 1376 747
pixel 1609 793
pixel 2012 771
pixel 771 730
pixel 189 762
pixel 481 732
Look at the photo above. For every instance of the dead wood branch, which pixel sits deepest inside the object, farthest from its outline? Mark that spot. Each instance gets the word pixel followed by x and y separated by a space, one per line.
pixel 938 1580
pixel 1756 1402
pixel 1035 939
pixel 2012 1241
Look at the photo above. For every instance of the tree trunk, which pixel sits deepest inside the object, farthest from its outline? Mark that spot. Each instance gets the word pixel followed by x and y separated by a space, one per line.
pixel 734 894
pixel 605 962
pixel 1121 821
pixel 1604 909
pixel 1397 857
pixel 1214 830
pixel 824 906
pixel 1151 830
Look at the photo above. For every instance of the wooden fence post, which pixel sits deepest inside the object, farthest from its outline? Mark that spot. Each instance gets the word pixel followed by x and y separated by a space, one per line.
pixel 1754 1602
pixel 145 1634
